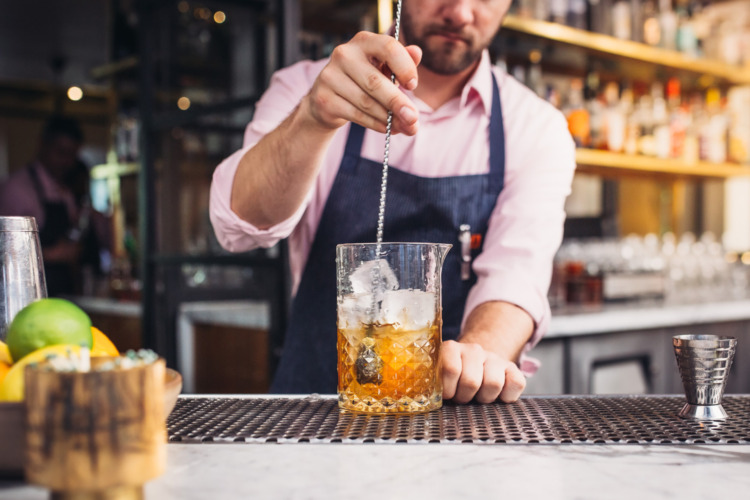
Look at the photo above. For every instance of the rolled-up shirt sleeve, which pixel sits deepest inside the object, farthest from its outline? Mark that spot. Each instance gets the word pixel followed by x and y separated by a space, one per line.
pixel 286 89
pixel 526 227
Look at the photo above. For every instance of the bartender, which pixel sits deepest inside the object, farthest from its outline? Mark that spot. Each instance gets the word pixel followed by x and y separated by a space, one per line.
pixel 42 190
pixel 475 150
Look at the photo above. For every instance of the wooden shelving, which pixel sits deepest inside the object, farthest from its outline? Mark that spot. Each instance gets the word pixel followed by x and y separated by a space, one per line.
pixel 590 160
pixel 616 48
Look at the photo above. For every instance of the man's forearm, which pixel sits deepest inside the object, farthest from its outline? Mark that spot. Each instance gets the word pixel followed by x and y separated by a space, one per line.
pixel 274 177
pixel 499 327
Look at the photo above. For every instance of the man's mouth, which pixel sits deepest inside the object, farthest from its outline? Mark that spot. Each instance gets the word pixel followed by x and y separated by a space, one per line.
pixel 450 36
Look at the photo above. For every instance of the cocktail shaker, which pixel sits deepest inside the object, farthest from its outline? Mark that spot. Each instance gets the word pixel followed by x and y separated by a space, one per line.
pixel 21 268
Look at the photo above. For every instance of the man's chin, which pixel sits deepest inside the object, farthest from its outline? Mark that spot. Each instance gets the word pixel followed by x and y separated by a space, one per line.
pixel 447 66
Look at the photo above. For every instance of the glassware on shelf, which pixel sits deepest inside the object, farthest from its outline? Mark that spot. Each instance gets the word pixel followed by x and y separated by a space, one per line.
pixel 679 270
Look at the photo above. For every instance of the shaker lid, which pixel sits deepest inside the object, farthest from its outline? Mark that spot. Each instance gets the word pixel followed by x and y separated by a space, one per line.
pixel 15 223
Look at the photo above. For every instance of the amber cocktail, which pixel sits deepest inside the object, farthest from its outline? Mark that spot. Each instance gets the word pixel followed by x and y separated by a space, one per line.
pixel 389 327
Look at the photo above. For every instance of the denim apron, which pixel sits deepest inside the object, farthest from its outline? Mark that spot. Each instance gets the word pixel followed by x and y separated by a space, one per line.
pixel 57 224
pixel 419 209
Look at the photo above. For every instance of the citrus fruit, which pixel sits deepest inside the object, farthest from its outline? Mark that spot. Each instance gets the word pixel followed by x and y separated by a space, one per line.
pixel 11 388
pixel 48 322
pixel 4 369
pixel 102 345
pixel 5 353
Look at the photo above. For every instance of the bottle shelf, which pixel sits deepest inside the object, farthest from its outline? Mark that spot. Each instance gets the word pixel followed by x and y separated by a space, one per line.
pixel 615 47
pixel 602 162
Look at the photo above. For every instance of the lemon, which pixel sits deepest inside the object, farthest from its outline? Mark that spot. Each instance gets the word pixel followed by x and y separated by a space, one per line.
pixel 5 353
pixel 4 369
pixel 102 345
pixel 12 386
pixel 48 322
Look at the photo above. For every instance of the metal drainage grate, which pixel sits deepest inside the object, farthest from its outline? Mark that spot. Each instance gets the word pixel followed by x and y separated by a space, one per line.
pixel 555 420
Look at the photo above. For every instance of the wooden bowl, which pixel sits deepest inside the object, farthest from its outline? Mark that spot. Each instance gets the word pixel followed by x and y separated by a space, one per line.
pixel 13 415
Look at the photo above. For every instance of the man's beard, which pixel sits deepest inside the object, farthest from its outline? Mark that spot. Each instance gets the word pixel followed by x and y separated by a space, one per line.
pixel 441 58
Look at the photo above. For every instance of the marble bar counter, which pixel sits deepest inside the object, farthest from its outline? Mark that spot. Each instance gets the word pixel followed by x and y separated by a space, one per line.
pixel 331 472
pixel 263 466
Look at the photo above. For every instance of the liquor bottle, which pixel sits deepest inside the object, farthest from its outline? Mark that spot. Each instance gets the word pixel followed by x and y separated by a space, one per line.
pixel 662 145
pixel 651 27
pixel 691 149
pixel 576 14
pixel 600 14
pixel 595 107
pixel 525 8
pixel 534 78
pixel 687 41
pixel 632 124
pixel 645 111
pixel 713 138
pixel 614 119
pixel 621 20
pixel 678 119
pixel 541 10
pixel 577 115
pixel 738 102
pixel 558 10
pixel 668 22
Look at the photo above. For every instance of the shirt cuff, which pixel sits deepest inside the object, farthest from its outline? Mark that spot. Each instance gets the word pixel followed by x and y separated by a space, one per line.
pixel 233 233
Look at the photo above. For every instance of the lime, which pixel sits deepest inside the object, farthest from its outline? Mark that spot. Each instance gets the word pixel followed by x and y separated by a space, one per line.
pixel 48 322
pixel 12 387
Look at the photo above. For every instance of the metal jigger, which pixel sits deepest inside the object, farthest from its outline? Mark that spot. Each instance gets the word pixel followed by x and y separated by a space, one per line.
pixel 704 362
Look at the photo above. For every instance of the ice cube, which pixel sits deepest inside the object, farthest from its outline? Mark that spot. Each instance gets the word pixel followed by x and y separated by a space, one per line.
pixel 409 309
pixel 364 278
pixel 354 310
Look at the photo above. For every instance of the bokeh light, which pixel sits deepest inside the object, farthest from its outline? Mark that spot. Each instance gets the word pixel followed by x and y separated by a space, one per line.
pixel 75 93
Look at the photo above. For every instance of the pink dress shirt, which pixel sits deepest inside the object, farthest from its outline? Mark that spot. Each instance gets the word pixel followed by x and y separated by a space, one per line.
pixel 525 229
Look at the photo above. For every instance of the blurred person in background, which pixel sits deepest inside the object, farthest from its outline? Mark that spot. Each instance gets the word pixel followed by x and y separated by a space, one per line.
pixel 53 189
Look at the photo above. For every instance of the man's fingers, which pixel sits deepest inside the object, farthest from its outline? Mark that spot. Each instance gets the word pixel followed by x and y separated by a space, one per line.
pixel 450 356
pixel 351 92
pixel 391 53
pixel 355 60
pixel 472 372
pixel 339 108
pixel 515 383
pixel 493 381
pixel 415 52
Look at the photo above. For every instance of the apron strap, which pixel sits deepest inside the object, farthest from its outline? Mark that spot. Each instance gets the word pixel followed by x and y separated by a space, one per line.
pixel 354 140
pixel 497 141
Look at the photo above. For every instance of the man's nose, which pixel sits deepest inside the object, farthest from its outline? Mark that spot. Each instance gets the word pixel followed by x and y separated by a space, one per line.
pixel 459 12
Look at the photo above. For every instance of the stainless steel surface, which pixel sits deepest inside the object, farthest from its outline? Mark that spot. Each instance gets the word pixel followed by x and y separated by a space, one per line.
pixel 703 412
pixel 531 420
pixel 704 362
pixel 21 268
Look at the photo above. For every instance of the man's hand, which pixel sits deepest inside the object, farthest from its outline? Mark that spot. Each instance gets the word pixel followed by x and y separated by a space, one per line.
pixel 471 372
pixel 355 85
pixel 481 364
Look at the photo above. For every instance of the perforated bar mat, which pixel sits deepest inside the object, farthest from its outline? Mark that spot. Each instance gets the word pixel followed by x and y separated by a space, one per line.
pixel 554 420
